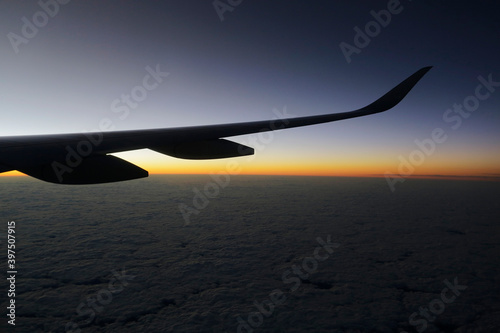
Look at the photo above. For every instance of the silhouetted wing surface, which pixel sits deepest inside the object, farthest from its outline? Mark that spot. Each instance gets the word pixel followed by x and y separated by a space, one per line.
pixel 82 158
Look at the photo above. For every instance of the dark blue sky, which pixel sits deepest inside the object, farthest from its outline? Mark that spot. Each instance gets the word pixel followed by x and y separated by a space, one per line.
pixel 71 73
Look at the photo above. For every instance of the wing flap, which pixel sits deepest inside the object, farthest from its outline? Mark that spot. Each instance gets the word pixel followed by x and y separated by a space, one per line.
pixel 95 169
pixel 204 150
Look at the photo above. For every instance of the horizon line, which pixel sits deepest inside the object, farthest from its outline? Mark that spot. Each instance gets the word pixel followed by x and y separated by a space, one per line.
pixel 419 176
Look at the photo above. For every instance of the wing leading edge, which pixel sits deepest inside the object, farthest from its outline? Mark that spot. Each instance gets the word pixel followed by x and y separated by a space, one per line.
pixel 82 158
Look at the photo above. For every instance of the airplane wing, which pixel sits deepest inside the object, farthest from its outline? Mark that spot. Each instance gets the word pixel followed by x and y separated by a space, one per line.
pixel 83 158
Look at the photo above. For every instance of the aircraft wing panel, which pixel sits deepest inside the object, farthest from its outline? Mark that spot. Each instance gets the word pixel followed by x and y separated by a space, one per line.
pixel 72 151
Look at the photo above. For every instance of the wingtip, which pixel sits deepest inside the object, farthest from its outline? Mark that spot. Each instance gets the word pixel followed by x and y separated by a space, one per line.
pixel 396 94
pixel 426 69
pixel 421 72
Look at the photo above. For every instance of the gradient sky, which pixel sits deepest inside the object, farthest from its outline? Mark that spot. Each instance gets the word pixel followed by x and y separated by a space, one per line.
pixel 264 56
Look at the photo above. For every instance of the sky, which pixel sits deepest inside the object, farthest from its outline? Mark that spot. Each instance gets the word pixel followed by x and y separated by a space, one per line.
pixel 66 65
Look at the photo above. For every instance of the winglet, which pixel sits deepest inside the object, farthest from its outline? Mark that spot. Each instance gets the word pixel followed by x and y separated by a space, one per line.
pixel 396 94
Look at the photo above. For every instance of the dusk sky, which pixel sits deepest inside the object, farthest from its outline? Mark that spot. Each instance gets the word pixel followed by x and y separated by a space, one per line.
pixel 66 67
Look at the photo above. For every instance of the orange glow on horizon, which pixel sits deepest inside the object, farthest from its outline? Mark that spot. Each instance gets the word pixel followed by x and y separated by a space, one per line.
pixel 352 168
pixel 315 174
pixel 12 174
pixel 309 168
pixel 366 163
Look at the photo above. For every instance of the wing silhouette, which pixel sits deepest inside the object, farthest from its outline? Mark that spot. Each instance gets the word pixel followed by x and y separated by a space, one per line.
pixel 83 158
